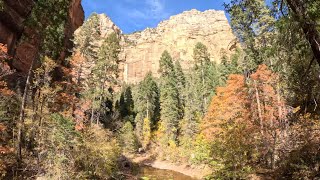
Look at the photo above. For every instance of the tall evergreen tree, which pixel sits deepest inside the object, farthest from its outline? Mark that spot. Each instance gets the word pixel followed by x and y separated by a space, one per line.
pixel 146 98
pixel 105 71
pixel 102 75
pixel 206 72
pixel 192 110
pixel 254 27
pixel 230 66
pixel 126 103
pixel 169 99
pixel 181 84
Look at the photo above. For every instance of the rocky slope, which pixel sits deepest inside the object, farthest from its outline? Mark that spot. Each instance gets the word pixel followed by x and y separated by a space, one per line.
pixel 179 36
pixel 141 51
pixel 12 26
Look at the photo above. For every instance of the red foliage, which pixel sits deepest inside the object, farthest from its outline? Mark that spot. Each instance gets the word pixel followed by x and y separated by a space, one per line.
pixel 273 109
pixel 66 98
pixel 230 104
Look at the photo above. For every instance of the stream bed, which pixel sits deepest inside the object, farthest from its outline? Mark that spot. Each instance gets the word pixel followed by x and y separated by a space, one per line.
pixel 150 173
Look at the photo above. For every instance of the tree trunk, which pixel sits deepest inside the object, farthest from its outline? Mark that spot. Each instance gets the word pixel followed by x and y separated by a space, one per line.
pixel 259 107
pixel 307 24
pixel 20 123
pixel 92 115
pixel 147 108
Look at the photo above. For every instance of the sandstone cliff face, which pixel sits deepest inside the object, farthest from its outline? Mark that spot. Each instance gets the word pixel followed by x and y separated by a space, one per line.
pixel 178 35
pixel 12 26
pixel 11 21
pixel 141 51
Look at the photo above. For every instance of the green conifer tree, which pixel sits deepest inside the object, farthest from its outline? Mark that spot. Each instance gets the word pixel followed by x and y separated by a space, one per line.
pixel 146 98
pixel 169 99
pixel 181 84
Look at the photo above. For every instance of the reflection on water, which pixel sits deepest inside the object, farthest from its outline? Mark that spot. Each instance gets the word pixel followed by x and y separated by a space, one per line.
pixel 150 173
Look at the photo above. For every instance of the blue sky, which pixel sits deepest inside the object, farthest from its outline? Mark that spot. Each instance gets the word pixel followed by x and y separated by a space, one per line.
pixel 134 15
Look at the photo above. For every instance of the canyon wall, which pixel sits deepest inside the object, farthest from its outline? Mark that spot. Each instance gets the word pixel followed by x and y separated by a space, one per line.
pixel 141 51
pixel 178 35
pixel 13 27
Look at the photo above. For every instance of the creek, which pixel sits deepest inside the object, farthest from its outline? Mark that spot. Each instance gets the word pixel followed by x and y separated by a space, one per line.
pixel 150 173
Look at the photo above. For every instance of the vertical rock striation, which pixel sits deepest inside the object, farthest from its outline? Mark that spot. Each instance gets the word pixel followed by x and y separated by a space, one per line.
pixel 12 26
pixel 141 51
pixel 178 35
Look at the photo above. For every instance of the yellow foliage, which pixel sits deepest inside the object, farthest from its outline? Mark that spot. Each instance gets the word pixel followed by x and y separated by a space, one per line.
pixel 146 132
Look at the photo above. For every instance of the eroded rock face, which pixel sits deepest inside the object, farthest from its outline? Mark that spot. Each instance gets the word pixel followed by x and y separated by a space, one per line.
pixel 11 21
pixel 75 20
pixel 12 26
pixel 178 35
pixel 141 51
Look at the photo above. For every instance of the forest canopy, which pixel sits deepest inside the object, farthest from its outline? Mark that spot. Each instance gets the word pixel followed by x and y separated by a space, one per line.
pixel 254 113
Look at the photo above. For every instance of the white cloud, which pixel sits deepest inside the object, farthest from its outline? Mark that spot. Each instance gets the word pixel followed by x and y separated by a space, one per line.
pixel 156 6
pixel 137 14
pixel 152 9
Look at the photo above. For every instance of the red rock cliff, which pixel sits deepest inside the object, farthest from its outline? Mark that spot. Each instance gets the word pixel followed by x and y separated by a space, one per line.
pixel 12 26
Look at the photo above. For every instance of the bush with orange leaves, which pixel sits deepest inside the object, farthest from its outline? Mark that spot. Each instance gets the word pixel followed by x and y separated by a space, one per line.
pixel 269 113
pixel 247 123
pixel 227 125
pixel 231 104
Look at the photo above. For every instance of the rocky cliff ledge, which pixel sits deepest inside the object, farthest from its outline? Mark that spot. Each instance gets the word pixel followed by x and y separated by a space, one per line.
pixel 178 35
pixel 12 26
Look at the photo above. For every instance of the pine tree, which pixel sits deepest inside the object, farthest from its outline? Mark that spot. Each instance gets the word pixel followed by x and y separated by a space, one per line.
pixel 206 72
pixel 106 70
pixel 253 26
pixel 127 138
pixel 181 84
pixel 146 133
pixel 169 99
pixel 192 110
pixel 230 66
pixel 126 103
pixel 146 99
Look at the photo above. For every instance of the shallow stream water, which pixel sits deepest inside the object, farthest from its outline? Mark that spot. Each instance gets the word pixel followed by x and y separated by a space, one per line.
pixel 150 173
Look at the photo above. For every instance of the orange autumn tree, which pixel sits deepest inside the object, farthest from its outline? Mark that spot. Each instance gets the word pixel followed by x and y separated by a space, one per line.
pixel 227 125
pixel 269 112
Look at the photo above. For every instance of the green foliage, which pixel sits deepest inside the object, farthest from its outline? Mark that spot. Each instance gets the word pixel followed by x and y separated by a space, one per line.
pixel 85 40
pixel 181 84
pixel 189 126
pixel 98 154
pixel 104 74
pixel 146 133
pixel 231 66
pixel 48 18
pixel 128 139
pixel 206 75
pixel 125 104
pixel 57 148
pixel 253 23
pixel 169 99
pixel 233 153
pixel 9 110
pixel 146 101
pixel 1 5
pixel 201 152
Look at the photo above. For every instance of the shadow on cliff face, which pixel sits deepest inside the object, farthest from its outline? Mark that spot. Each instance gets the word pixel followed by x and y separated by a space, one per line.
pixel 13 27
